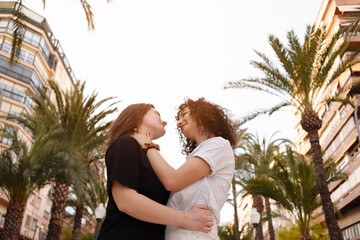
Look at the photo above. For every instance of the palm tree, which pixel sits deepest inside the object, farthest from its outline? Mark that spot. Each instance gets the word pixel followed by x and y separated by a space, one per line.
pixel 94 194
pixel 306 69
pixel 23 171
pixel 240 169
pixel 83 133
pixel 227 232
pixel 292 184
pixel 85 206
pixel 258 155
pixel 233 202
pixel 19 27
pixel 83 127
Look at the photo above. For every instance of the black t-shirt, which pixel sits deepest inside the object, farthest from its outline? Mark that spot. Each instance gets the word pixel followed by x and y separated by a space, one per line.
pixel 127 163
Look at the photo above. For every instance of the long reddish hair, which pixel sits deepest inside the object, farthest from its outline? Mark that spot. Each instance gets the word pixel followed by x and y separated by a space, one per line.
pixel 128 121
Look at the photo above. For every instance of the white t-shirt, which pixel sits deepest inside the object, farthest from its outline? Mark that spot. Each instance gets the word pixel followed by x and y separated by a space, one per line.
pixel 210 191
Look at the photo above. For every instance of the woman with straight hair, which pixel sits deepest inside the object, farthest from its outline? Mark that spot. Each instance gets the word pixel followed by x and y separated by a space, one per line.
pixel 208 136
pixel 136 207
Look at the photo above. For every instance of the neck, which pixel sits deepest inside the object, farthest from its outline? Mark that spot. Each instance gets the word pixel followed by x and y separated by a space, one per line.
pixel 146 131
pixel 203 137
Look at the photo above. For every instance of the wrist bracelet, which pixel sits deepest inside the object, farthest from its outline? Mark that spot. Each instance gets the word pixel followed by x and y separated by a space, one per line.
pixel 149 145
pixel 184 220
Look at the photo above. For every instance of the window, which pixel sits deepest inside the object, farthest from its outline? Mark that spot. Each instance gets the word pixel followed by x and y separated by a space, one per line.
pixel 351 232
pixel 13 113
pixel 27 221
pixel 20 72
pixel 46 215
pixel 30 37
pixel 38 201
pixel 34 223
pixel 7 90
pixel 27 56
pixel 3 24
pixel 10 28
pixel 6 47
pixel 18 95
pixel 32 199
pixel 45 51
pixel 7 141
pixel 28 102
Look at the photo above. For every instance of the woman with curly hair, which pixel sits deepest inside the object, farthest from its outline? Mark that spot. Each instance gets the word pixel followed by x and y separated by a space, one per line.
pixel 208 136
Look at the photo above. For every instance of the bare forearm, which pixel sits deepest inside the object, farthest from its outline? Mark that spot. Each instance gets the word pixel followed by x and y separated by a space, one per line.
pixel 127 200
pixel 145 209
pixel 191 171
pixel 166 173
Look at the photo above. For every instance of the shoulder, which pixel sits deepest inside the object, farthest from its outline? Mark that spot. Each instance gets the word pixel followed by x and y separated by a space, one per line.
pixel 124 142
pixel 217 142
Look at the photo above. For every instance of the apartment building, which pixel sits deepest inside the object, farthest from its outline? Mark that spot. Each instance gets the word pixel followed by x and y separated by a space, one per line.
pixel 41 58
pixel 245 207
pixel 338 135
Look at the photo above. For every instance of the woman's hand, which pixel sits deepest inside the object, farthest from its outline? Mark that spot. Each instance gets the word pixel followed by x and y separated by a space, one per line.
pixel 142 138
pixel 198 218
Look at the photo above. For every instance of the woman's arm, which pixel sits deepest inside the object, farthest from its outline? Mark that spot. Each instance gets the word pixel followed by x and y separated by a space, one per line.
pixel 140 207
pixel 191 171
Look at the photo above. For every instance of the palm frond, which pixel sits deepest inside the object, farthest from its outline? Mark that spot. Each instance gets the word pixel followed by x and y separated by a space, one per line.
pixel 18 31
pixel 343 100
pixel 88 13
pixel 268 111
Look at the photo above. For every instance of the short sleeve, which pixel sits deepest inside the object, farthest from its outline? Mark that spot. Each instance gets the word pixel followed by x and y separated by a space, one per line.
pixel 123 163
pixel 217 153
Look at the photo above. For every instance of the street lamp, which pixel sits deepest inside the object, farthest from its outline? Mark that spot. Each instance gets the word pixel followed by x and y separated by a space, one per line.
pixel 254 219
pixel 99 214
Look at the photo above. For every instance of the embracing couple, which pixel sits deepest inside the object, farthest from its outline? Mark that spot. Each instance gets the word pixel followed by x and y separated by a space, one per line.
pixel 140 205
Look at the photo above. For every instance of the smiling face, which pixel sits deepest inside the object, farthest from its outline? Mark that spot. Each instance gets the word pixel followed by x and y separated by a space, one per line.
pixel 153 124
pixel 187 124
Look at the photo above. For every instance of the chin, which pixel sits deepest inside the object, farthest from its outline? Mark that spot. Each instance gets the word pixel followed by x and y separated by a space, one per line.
pixel 159 135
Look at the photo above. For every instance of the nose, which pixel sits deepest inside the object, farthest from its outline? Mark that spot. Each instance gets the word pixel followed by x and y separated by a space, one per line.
pixel 164 123
pixel 179 123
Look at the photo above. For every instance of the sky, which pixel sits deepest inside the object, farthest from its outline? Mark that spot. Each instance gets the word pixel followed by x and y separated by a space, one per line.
pixel 161 51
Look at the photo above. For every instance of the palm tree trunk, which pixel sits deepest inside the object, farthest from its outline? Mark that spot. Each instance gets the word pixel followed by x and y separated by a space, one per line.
pixel 268 213
pixel 236 217
pixel 305 235
pixel 13 220
pixel 76 233
pixel 311 123
pixel 259 205
pixel 328 208
pixel 57 211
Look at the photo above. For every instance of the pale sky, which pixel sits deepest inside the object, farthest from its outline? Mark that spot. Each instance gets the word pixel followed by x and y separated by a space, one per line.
pixel 161 51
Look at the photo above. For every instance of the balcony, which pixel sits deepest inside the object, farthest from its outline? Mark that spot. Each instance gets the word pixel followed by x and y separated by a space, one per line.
pixel 350 189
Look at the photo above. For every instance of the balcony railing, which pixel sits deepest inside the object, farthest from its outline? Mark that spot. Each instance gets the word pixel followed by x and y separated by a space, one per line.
pixel 349 185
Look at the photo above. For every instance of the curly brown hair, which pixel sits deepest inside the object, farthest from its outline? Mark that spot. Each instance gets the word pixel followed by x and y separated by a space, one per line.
pixel 128 121
pixel 212 118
